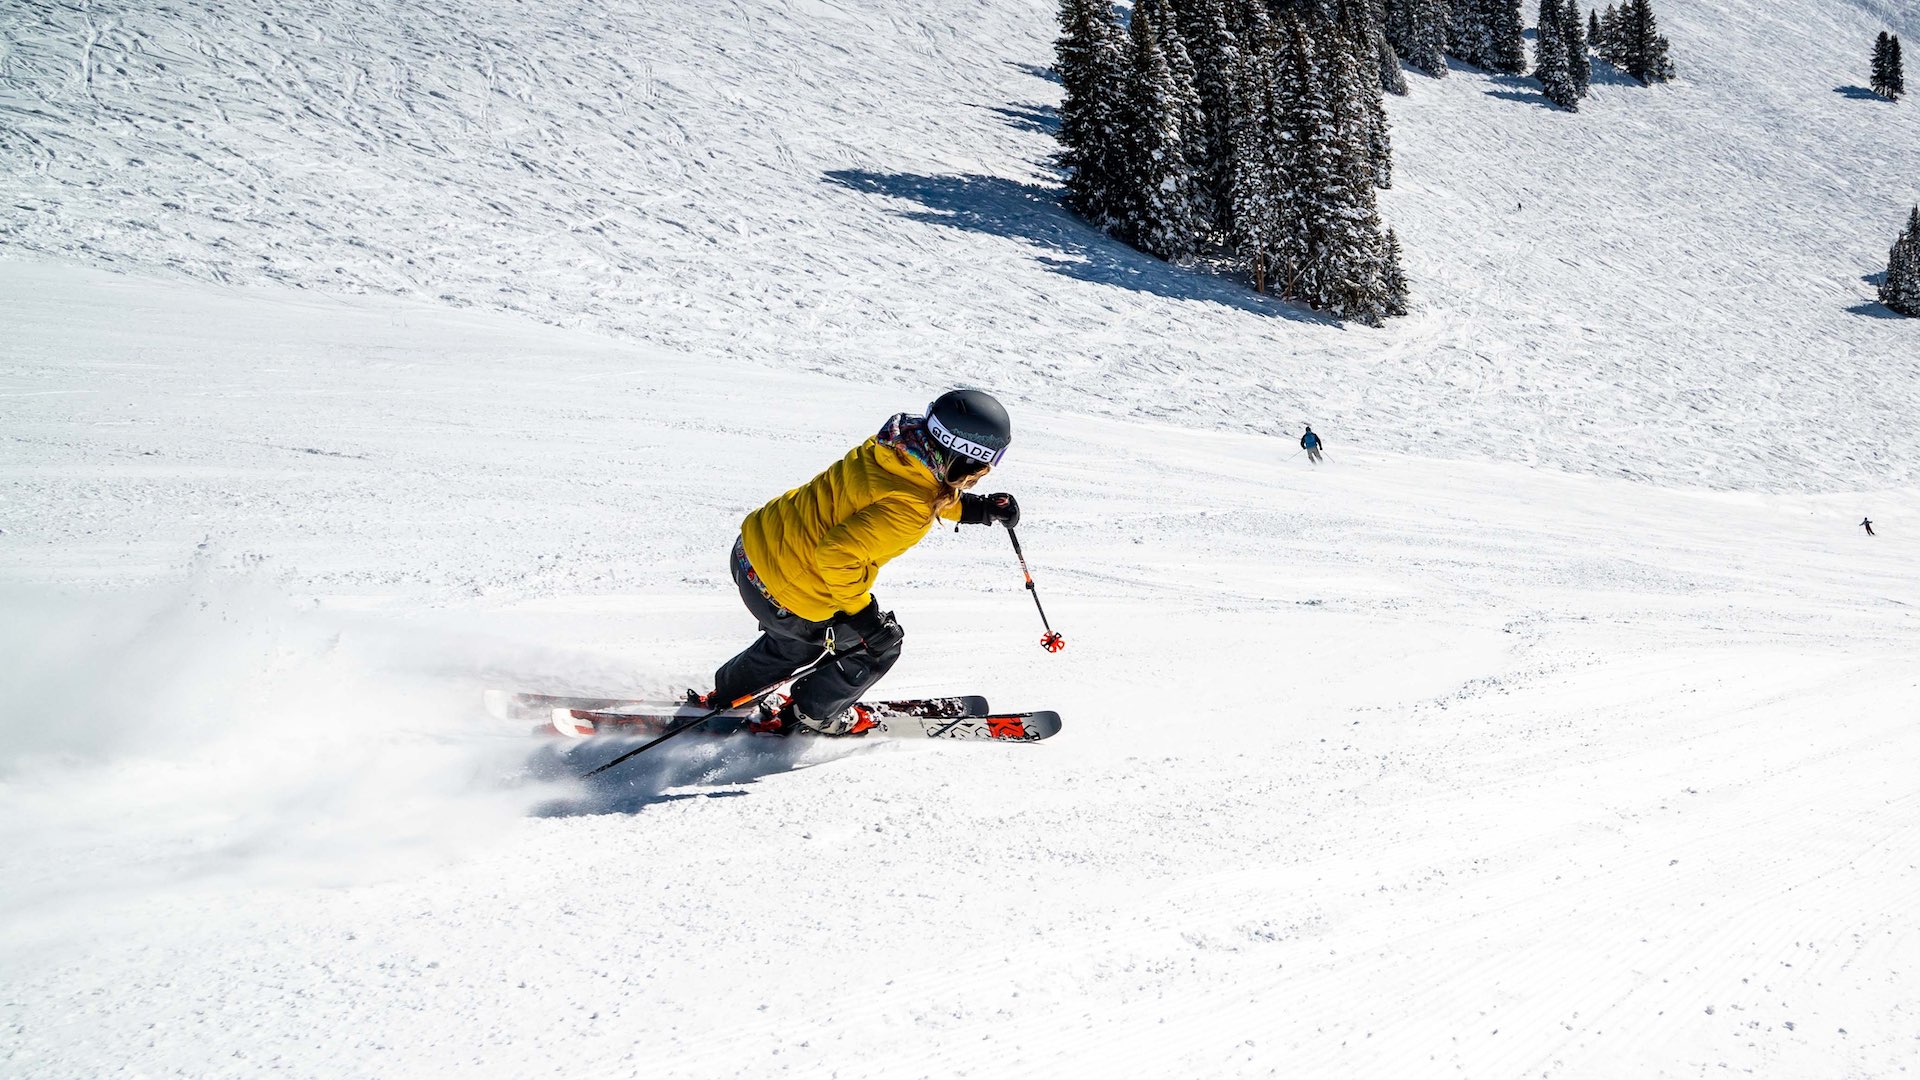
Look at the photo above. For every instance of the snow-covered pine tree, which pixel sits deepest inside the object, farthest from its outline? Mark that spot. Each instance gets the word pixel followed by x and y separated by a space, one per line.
pixel 1579 66
pixel 1469 35
pixel 1896 75
pixel 1215 54
pixel 1192 115
pixel 1375 127
pixel 1252 169
pixel 1394 275
pixel 1252 29
pixel 1607 41
pixel 1156 183
pixel 1593 27
pixel 1901 289
pixel 1301 118
pixel 1358 22
pixel 1418 31
pixel 1368 18
pixel 1372 102
pixel 1167 31
pixel 1332 244
pixel 1509 37
pixel 1643 52
pixel 1251 22
pixel 1092 136
pixel 1291 90
pixel 1882 55
pixel 1550 58
pixel 1392 80
pixel 1366 276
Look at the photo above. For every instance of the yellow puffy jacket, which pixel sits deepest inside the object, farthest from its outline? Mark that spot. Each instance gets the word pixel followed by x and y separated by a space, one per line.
pixel 818 547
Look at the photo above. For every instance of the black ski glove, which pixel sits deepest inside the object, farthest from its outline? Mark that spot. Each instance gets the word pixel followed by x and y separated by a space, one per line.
pixel 869 628
pixel 989 509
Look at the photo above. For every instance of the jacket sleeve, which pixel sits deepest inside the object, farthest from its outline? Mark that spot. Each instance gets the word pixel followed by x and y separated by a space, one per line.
pixel 852 552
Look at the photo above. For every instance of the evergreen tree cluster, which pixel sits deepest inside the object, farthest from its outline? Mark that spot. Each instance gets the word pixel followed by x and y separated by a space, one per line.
pixel 1628 37
pixel 1560 54
pixel 1889 81
pixel 1417 30
pixel 1490 34
pixel 1367 19
pixel 1392 79
pixel 1901 289
pixel 1239 128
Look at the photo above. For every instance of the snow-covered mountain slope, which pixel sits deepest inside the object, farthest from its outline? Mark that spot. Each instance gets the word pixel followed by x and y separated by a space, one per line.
pixel 857 186
pixel 1376 769
pixel 1428 759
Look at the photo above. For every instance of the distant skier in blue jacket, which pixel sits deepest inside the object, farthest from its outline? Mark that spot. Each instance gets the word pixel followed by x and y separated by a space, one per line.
pixel 1311 444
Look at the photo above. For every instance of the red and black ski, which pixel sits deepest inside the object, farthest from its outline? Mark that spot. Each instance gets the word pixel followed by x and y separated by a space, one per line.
pixel 895 720
pixel 513 706
pixel 891 719
pixel 960 717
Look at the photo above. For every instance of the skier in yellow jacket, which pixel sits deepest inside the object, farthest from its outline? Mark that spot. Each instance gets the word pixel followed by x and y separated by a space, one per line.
pixel 805 563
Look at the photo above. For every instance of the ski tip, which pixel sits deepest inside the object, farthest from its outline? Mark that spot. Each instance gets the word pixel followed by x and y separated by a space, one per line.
pixel 567 724
pixel 1016 727
pixel 498 703
pixel 1044 724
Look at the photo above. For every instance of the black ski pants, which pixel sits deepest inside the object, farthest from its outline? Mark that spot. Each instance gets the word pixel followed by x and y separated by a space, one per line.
pixel 788 643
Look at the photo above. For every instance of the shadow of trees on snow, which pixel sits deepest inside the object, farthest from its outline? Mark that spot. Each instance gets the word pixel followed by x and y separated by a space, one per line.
pixel 1523 91
pixel 1874 309
pixel 1040 119
pixel 997 206
pixel 1038 71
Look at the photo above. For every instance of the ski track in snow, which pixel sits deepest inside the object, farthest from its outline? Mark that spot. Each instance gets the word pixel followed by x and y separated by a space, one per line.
pixel 1483 768
pixel 1586 753
pixel 1671 285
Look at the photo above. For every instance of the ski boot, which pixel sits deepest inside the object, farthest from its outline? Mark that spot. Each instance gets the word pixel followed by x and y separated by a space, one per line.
pixel 855 719
pixel 773 716
pixel 780 717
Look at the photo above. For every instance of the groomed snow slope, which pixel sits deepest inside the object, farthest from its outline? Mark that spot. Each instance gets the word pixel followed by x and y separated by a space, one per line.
pixel 1393 767
pixel 857 187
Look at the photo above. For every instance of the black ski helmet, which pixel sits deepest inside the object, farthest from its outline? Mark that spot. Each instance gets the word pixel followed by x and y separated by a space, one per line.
pixel 971 427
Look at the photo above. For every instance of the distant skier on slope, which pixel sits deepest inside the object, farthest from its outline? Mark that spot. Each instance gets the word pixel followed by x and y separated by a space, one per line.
pixel 1867 525
pixel 805 563
pixel 1311 444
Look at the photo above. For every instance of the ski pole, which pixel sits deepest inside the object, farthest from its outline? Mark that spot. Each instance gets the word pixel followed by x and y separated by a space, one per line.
pixel 1049 641
pixel 739 702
